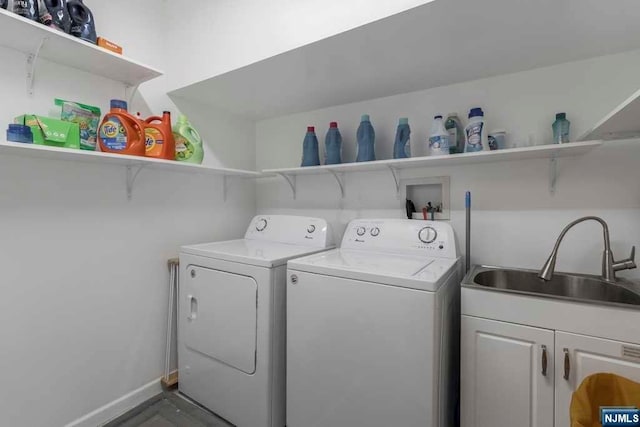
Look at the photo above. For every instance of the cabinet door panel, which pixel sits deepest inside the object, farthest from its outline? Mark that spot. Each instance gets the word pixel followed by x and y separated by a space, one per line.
pixel 587 356
pixel 502 381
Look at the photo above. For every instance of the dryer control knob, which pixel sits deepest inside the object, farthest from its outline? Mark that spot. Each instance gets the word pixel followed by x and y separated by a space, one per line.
pixel 311 229
pixel 360 231
pixel 261 225
pixel 428 235
pixel 375 231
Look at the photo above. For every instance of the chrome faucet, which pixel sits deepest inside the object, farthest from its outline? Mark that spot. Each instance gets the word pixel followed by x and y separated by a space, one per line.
pixel 609 266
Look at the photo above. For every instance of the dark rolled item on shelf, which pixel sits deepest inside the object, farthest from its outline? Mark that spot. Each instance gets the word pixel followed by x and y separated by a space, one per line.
pixel 82 23
pixel 56 15
pixel 27 9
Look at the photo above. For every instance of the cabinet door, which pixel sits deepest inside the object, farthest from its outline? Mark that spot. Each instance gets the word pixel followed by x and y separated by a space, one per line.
pixel 504 380
pixel 578 356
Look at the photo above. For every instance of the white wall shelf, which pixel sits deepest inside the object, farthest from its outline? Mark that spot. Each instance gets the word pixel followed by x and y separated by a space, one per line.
pixel 133 164
pixel 38 41
pixel 407 52
pixel 552 152
pixel 621 123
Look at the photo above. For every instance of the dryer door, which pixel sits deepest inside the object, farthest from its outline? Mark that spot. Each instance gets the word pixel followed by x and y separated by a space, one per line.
pixel 221 316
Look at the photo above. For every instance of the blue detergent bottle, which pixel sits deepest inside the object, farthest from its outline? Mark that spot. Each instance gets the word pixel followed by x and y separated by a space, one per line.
pixel 310 153
pixel 402 145
pixel 333 145
pixel 561 129
pixel 366 140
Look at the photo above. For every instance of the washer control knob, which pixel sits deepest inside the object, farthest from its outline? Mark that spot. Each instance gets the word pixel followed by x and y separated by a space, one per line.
pixel 428 235
pixel 261 224
pixel 375 231
pixel 360 231
pixel 311 229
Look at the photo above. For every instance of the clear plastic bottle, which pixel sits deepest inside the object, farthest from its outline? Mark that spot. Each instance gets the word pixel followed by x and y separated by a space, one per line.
pixel 476 132
pixel 402 144
pixel 561 129
pixel 438 138
pixel 310 153
pixel 333 145
pixel 366 140
pixel 456 133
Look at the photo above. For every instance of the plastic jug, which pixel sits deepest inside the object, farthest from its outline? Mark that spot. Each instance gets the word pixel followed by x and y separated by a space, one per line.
pixel 456 133
pixel 476 132
pixel 120 132
pixel 402 145
pixel 438 138
pixel 366 140
pixel 82 22
pixel 54 14
pixel 333 145
pixel 188 143
pixel 159 141
pixel 310 151
pixel 561 129
pixel 27 9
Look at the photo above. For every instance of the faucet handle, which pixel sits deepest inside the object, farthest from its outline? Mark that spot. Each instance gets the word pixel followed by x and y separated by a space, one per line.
pixel 626 264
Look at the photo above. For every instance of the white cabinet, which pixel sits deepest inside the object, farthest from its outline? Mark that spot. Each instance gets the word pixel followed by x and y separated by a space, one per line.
pixel 502 371
pixel 578 356
pixel 506 374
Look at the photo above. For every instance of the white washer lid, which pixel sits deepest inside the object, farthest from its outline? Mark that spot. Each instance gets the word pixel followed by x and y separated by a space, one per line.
pixel 253 252
pixel 415 272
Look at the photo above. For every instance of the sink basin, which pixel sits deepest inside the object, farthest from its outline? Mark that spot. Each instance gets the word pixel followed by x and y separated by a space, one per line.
pixel 576 287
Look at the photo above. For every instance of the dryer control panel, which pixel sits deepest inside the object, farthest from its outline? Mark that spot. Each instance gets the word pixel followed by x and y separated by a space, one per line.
pixel 402 236
pixel 295 230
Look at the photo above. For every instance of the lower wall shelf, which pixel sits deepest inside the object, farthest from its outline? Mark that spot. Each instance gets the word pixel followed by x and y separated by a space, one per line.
pixel 133 164
pixel 552 152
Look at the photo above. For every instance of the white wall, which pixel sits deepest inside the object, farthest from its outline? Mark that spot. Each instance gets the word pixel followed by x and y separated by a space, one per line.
pixel 515 219
pixel 83 310
pixel 219 36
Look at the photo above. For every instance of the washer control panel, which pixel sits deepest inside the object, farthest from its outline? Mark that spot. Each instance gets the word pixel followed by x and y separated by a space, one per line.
pixel 430 238
pixel 290 229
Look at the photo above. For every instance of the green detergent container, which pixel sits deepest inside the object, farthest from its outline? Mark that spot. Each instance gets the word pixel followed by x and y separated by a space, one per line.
pixel 188 142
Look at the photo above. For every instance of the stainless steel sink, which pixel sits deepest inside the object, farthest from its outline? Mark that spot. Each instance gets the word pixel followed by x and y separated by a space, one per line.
pixel 576 287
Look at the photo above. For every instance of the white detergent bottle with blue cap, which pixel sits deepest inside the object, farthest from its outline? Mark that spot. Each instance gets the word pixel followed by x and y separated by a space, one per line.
pixel 476 132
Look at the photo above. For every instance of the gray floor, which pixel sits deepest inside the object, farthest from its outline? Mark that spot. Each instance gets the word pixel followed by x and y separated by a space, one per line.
pixel 168 410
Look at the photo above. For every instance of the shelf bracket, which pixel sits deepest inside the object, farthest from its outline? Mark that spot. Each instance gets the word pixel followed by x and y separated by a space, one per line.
pixel 291 180
pixel 553 175
pixel 396 178
pixel 32 61
pixel 131 178
pixel 339 179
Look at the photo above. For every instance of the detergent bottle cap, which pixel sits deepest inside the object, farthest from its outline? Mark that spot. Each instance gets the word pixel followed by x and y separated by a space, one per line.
pixel 333 125
pixel 476 112
pixel 437 117
pixel 365 118
pixel 118 103
pixel 182 119
pixel 404 121
pixel 311 128
pixel 561 116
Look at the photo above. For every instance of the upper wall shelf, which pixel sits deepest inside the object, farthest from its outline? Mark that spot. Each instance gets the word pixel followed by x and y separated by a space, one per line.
pixel 26 36
pixel 552 151
pixel 622 123
pixel 132 164
pixel 439 43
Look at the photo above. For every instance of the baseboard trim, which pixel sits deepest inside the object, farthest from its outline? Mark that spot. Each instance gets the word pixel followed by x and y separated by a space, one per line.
pixel 119 406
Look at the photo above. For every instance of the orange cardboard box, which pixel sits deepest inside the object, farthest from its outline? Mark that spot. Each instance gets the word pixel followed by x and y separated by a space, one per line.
pixel 109 45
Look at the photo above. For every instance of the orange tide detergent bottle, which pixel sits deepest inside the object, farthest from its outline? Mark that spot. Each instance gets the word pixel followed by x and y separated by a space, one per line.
pixel 159 140
pixel 120 132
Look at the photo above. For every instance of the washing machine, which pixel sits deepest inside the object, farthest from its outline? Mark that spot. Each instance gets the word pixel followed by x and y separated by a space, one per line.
pixel 373 328
pixel 231 318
